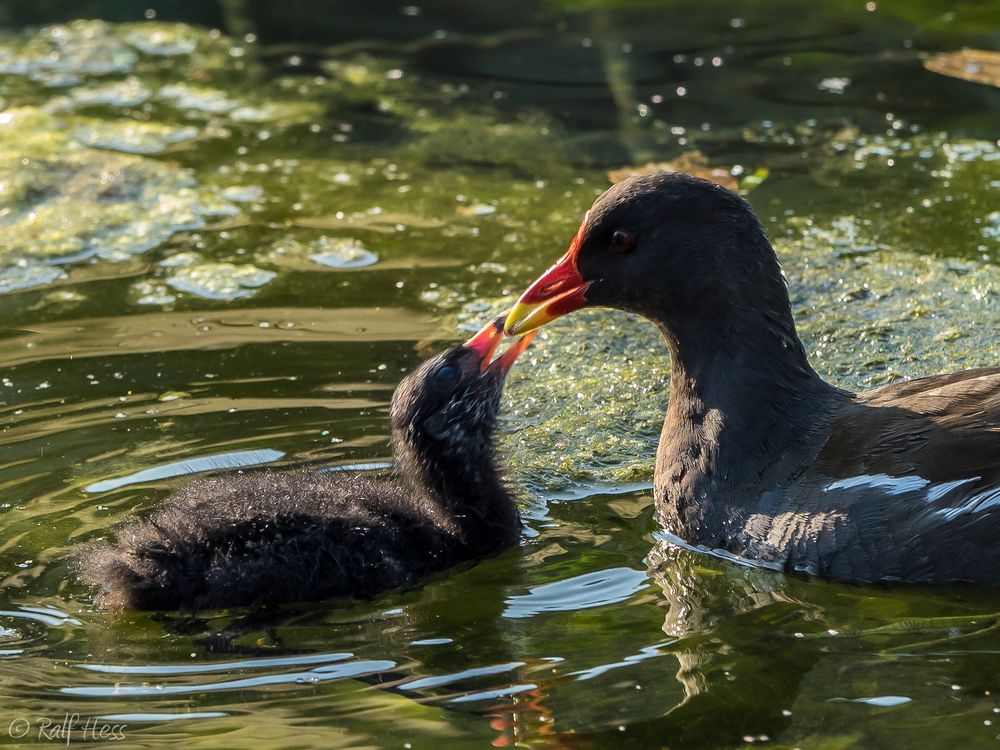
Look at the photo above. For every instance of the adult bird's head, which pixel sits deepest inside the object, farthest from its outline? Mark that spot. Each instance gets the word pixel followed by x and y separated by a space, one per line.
pixel 681 251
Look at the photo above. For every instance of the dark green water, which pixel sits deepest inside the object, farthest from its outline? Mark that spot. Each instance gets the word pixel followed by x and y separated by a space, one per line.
pixel 224 247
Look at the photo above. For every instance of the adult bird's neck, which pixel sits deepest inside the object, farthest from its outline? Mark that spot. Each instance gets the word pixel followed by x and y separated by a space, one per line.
pixel 744 405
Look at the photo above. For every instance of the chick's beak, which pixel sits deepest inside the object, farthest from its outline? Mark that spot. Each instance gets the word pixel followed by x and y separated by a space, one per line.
pixel 558 291
pixel 505 361
pixel 486 342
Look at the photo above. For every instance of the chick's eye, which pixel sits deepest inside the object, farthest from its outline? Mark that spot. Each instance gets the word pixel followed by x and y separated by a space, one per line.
pixel 446 375
pixel 622 241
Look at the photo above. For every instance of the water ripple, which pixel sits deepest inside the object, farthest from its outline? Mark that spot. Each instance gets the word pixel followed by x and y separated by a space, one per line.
pixel 320 674
pixel 596 589
pixel 182 669
pixel 215 462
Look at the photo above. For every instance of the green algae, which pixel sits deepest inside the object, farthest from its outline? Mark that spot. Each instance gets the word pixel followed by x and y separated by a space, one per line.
pixel 68 195
pixel 61 55
pixel 946 204
pixel 63 202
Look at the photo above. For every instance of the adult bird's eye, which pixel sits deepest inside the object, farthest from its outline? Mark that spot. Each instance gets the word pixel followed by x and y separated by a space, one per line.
pixel 446 375
pixel 622 241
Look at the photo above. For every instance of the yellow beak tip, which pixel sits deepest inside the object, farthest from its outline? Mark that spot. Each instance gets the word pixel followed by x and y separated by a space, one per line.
pixel 515 319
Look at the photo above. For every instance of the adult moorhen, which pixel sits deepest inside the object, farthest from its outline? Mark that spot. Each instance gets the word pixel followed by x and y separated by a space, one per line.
pixel 245 538
pixel 759 457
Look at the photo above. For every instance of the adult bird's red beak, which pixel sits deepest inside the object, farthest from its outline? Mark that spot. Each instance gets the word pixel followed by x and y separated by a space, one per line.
pixel 558 291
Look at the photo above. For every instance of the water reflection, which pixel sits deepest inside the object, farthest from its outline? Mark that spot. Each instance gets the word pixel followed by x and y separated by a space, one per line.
pixel 716 611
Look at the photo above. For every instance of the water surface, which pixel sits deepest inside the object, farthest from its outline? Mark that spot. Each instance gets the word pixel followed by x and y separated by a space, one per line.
pixel 227 232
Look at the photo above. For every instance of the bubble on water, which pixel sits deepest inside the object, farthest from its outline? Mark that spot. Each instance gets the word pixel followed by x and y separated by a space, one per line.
pixel 882 701
pixel 991 230
pixel 477 209
pixel 243 193
pixel 128 93
pixel 151 293
pixel 165 40
pixel 342 254
pixel 220 281
pixel 834 85
pixel 133 137
pixel 180 260
pixel 339 253
pixel 215 205
pixel 198 98
pixel 285 113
